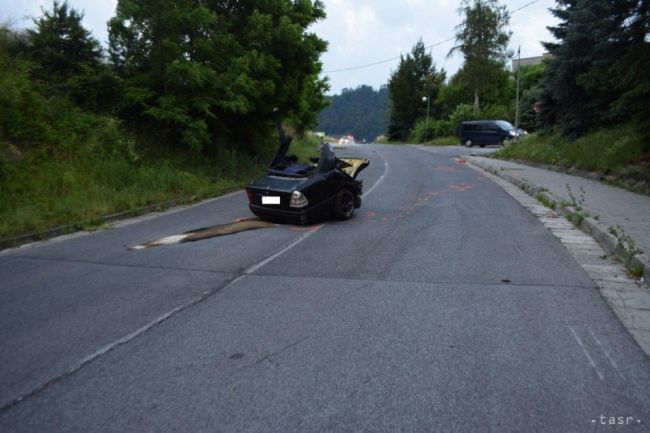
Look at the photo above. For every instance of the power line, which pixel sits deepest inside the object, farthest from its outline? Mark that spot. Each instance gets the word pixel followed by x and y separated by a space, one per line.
pixel 367 65
pixel 523 7
pixel 385 60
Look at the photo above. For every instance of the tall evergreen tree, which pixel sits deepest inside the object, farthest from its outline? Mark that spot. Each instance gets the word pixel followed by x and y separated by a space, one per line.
pixel 598 73
pixel 416 77
pixel 482 39
pixel 68 60
pixel 631 72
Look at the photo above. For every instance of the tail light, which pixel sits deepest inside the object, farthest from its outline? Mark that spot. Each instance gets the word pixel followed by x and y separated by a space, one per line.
pixel 298 200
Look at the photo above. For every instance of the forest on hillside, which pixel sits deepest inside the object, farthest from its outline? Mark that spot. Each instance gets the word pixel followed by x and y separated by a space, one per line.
pixel 360 112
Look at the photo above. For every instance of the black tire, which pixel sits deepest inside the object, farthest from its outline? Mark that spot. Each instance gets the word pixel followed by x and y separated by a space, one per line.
pixel 344 204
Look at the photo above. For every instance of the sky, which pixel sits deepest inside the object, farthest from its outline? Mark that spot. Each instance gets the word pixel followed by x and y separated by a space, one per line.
pixel 359 32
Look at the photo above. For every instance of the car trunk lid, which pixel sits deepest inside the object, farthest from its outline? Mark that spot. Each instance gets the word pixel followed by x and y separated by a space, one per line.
pixel 273 186
pixel 353 166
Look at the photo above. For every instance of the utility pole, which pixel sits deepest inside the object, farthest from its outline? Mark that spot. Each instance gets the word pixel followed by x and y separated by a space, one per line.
pixel 426 122
pixel 517 98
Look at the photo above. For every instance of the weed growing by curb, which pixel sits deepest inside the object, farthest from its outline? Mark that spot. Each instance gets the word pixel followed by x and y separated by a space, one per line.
pixel 578 213
pixel 629 249
pixel 544 199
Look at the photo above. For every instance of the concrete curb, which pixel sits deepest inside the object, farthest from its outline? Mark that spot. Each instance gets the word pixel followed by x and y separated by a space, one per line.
pixel 639 264
pixel 66 229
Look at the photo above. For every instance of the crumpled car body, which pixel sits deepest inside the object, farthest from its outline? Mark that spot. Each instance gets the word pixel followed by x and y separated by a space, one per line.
pixel 297 193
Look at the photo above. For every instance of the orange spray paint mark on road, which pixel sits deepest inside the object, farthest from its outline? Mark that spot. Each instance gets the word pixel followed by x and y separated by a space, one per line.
pixel 461 187
pixel 445 168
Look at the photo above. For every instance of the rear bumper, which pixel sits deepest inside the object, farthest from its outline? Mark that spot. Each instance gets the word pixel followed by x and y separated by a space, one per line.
pixel 298 216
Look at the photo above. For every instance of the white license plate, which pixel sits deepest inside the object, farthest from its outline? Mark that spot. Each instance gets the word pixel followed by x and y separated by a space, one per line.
pixel 270 199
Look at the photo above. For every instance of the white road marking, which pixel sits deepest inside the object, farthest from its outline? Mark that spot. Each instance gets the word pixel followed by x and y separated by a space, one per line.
pixel 269 259
pixel 132 335
pixel 584 350
pixel 119 342
pixel 611 360
pixel 378 181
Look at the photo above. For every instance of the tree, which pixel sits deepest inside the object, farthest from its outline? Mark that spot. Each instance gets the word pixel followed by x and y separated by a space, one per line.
pixel 68 60
pixel 482 39
pixel 633 82
pixel 416 77
pixel 530 88
pixel 359 111
pixel 499 90
pixel 214 71
pixel 599 62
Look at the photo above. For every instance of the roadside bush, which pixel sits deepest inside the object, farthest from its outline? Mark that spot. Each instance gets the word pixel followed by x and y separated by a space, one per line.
pixel 462 113
pixel 23 109
pixel 446 128
pixel 418 133
pixel 609 150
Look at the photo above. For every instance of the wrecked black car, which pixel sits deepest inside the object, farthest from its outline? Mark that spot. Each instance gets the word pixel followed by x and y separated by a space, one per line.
pixel 299 193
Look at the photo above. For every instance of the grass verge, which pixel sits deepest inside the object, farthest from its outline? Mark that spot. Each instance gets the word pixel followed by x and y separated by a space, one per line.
pixel 39 196
pixel 443 141
pixel 616 155
pixel 40 192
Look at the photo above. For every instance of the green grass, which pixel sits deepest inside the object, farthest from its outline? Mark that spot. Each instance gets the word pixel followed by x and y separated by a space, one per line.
pixel 41 191
pixel 40 195
pixel 443 141
pixel 440 141
pixel 543 199
pixel 615 150
pixel 304 147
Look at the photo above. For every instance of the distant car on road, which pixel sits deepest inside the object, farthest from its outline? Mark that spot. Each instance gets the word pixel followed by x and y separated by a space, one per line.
pixel 486 132
pixel 299 193
pixel 345 140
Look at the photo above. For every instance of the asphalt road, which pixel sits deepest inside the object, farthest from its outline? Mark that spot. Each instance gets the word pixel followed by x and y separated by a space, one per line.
pixel 443 305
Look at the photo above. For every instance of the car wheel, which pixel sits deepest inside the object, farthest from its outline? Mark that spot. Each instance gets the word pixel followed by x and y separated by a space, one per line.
pixel 468 143
pixel 344 204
